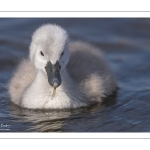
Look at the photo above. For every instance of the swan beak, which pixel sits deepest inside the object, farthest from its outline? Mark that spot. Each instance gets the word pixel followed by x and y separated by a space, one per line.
pixel 53 74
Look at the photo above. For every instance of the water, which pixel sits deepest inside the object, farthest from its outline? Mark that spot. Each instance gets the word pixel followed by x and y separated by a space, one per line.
pixel 126 43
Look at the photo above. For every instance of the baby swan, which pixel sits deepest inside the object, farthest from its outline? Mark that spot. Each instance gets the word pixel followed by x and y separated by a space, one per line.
pixel 76 70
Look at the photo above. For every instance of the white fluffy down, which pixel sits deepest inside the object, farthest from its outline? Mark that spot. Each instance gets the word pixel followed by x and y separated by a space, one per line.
pixel 86 77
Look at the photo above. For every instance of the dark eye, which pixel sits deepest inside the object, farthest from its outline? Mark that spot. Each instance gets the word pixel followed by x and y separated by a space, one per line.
pixel 41 53
pixel 62 53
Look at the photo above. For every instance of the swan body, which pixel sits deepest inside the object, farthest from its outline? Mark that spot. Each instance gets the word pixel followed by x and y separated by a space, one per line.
pixel 77 70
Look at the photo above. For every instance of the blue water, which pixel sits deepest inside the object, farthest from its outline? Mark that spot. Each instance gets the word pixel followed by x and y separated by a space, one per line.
pixel 126 44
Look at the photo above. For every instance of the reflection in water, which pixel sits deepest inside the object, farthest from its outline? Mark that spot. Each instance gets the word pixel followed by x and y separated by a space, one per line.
pixel 42 120
pixel 54 120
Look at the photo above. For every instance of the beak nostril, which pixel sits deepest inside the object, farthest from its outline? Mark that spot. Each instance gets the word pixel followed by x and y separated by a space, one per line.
pixel 59 67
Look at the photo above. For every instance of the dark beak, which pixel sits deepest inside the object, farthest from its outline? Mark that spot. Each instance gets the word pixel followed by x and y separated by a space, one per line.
pixel 53 74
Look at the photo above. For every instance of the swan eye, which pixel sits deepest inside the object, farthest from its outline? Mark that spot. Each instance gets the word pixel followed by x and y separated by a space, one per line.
pixel 41 53
pixel 62 53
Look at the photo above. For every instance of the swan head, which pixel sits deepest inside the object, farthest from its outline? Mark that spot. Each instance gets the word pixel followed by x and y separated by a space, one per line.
pixel 49 53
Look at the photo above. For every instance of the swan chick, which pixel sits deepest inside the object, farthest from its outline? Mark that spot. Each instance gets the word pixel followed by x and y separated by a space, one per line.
pixel 59 74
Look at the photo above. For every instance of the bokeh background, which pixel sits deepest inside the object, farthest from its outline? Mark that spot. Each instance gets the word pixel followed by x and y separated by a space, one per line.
pixel 126 44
